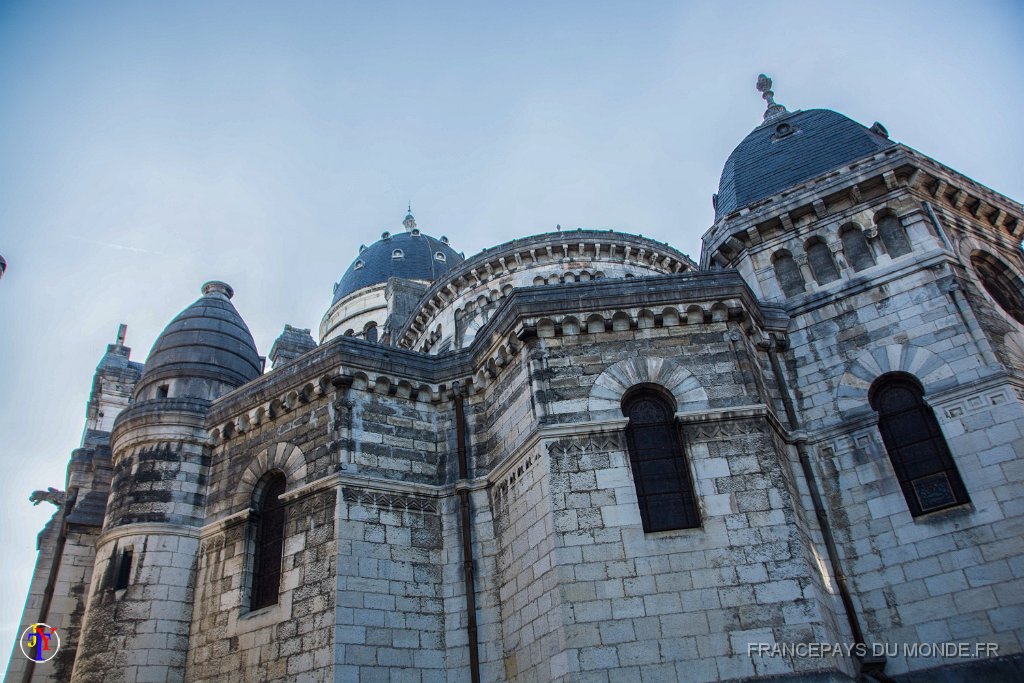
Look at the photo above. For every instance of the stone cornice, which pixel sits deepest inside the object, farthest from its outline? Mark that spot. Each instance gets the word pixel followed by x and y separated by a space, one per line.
pixel 897 168
pixel 146 529
pixel 315 374
pixel 527 252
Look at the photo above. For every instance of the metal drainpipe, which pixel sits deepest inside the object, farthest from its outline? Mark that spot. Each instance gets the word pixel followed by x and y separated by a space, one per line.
pixel 468 570
pixel 819 512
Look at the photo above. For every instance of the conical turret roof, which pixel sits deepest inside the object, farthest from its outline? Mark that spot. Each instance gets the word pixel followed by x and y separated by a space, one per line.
pixel 207 340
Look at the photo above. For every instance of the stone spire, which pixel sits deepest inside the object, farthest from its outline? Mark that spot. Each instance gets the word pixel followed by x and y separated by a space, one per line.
pixel 775 110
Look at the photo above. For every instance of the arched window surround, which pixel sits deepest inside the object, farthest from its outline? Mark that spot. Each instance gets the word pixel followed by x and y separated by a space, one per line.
pixel 787 273
pixel 855 247
pixel 819 258
pixel 1000 282
pixel 916 446
pixel 266 533
pixel 661 472
pixel 892 234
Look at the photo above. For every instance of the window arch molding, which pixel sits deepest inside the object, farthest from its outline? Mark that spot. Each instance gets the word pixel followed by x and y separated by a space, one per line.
pixel 1000 282
pixel 661 471
pixel 917 448
pixel 851 397
pixel 283 456
pixel 608 390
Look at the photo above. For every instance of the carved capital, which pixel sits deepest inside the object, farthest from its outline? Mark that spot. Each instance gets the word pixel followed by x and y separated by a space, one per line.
pixel 724 429
pixel 394 501
pixel 588 443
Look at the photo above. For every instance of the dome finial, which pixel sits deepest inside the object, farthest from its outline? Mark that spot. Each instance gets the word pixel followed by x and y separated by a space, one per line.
pixel 218 288
pixel 409 222
pixel 764 86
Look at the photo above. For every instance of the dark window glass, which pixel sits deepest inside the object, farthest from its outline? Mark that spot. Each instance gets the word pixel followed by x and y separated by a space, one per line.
pixel 1001 283
pixel 856 248
pixel 371 333
pixel 917 449
pixel 822 264
pixel 124 569
pixel 266 581
pixel 787 272
pixel 663 487
pixel 894 237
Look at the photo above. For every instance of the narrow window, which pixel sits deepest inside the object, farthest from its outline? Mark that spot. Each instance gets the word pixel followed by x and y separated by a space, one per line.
pixel 893 236
pixel 660 472
pixel 270 517
pixel 916 447
pixel 124 569
pixel 856 248
pixel 371 333
pixel 822 264
pixel 787 273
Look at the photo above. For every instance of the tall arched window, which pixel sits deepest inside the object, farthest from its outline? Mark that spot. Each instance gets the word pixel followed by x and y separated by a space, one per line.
pixel 893 236
pixel 269 541
pixel 370 332
pixel 917 449
pixel 822 264
pixel 856 248
pixel 660 472
pixel 787 272
pixel 1001 283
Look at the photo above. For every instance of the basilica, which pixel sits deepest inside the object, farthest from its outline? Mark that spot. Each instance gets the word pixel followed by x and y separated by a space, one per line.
pixel 581 455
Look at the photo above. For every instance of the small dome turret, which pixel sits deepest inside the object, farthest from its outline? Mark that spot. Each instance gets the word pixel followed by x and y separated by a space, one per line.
pixel 412 255
pixel 206 351
pixel 789 148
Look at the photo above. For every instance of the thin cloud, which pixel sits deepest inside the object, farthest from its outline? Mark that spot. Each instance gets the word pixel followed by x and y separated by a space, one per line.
pixel 112 245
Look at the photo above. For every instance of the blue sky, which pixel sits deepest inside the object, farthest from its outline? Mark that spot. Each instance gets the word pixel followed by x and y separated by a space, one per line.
pixel 148 147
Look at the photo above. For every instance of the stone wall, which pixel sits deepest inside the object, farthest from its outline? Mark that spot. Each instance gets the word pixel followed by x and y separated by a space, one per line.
pixel 291 639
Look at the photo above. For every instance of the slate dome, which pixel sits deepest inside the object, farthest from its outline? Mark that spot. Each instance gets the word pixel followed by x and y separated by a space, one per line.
pixel 208 340
pixel 411 255
pixel 790 149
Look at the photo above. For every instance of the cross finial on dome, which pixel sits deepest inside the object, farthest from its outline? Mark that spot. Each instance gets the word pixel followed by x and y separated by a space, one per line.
pixel 409 222
pixel 764 86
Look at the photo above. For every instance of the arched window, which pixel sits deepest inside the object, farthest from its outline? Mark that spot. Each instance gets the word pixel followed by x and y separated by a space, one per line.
pixel 893 236
pixel 856 248
pixel 660 472
pixel 371 333
pixel 917 449
pixel 1001 283
pixel 822 264
pixel 439 256
pixel 269 541
pixel 397 253
pixel 787 273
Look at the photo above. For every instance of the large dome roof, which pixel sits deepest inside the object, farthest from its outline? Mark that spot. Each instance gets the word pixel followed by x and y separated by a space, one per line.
pixel 789 149
pixel 207 340
pixel 410 255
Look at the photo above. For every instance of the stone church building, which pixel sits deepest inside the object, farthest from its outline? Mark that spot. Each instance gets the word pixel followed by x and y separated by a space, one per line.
pixel 581 455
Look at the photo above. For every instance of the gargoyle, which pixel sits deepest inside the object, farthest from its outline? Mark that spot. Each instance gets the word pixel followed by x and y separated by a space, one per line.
pixel 50 495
